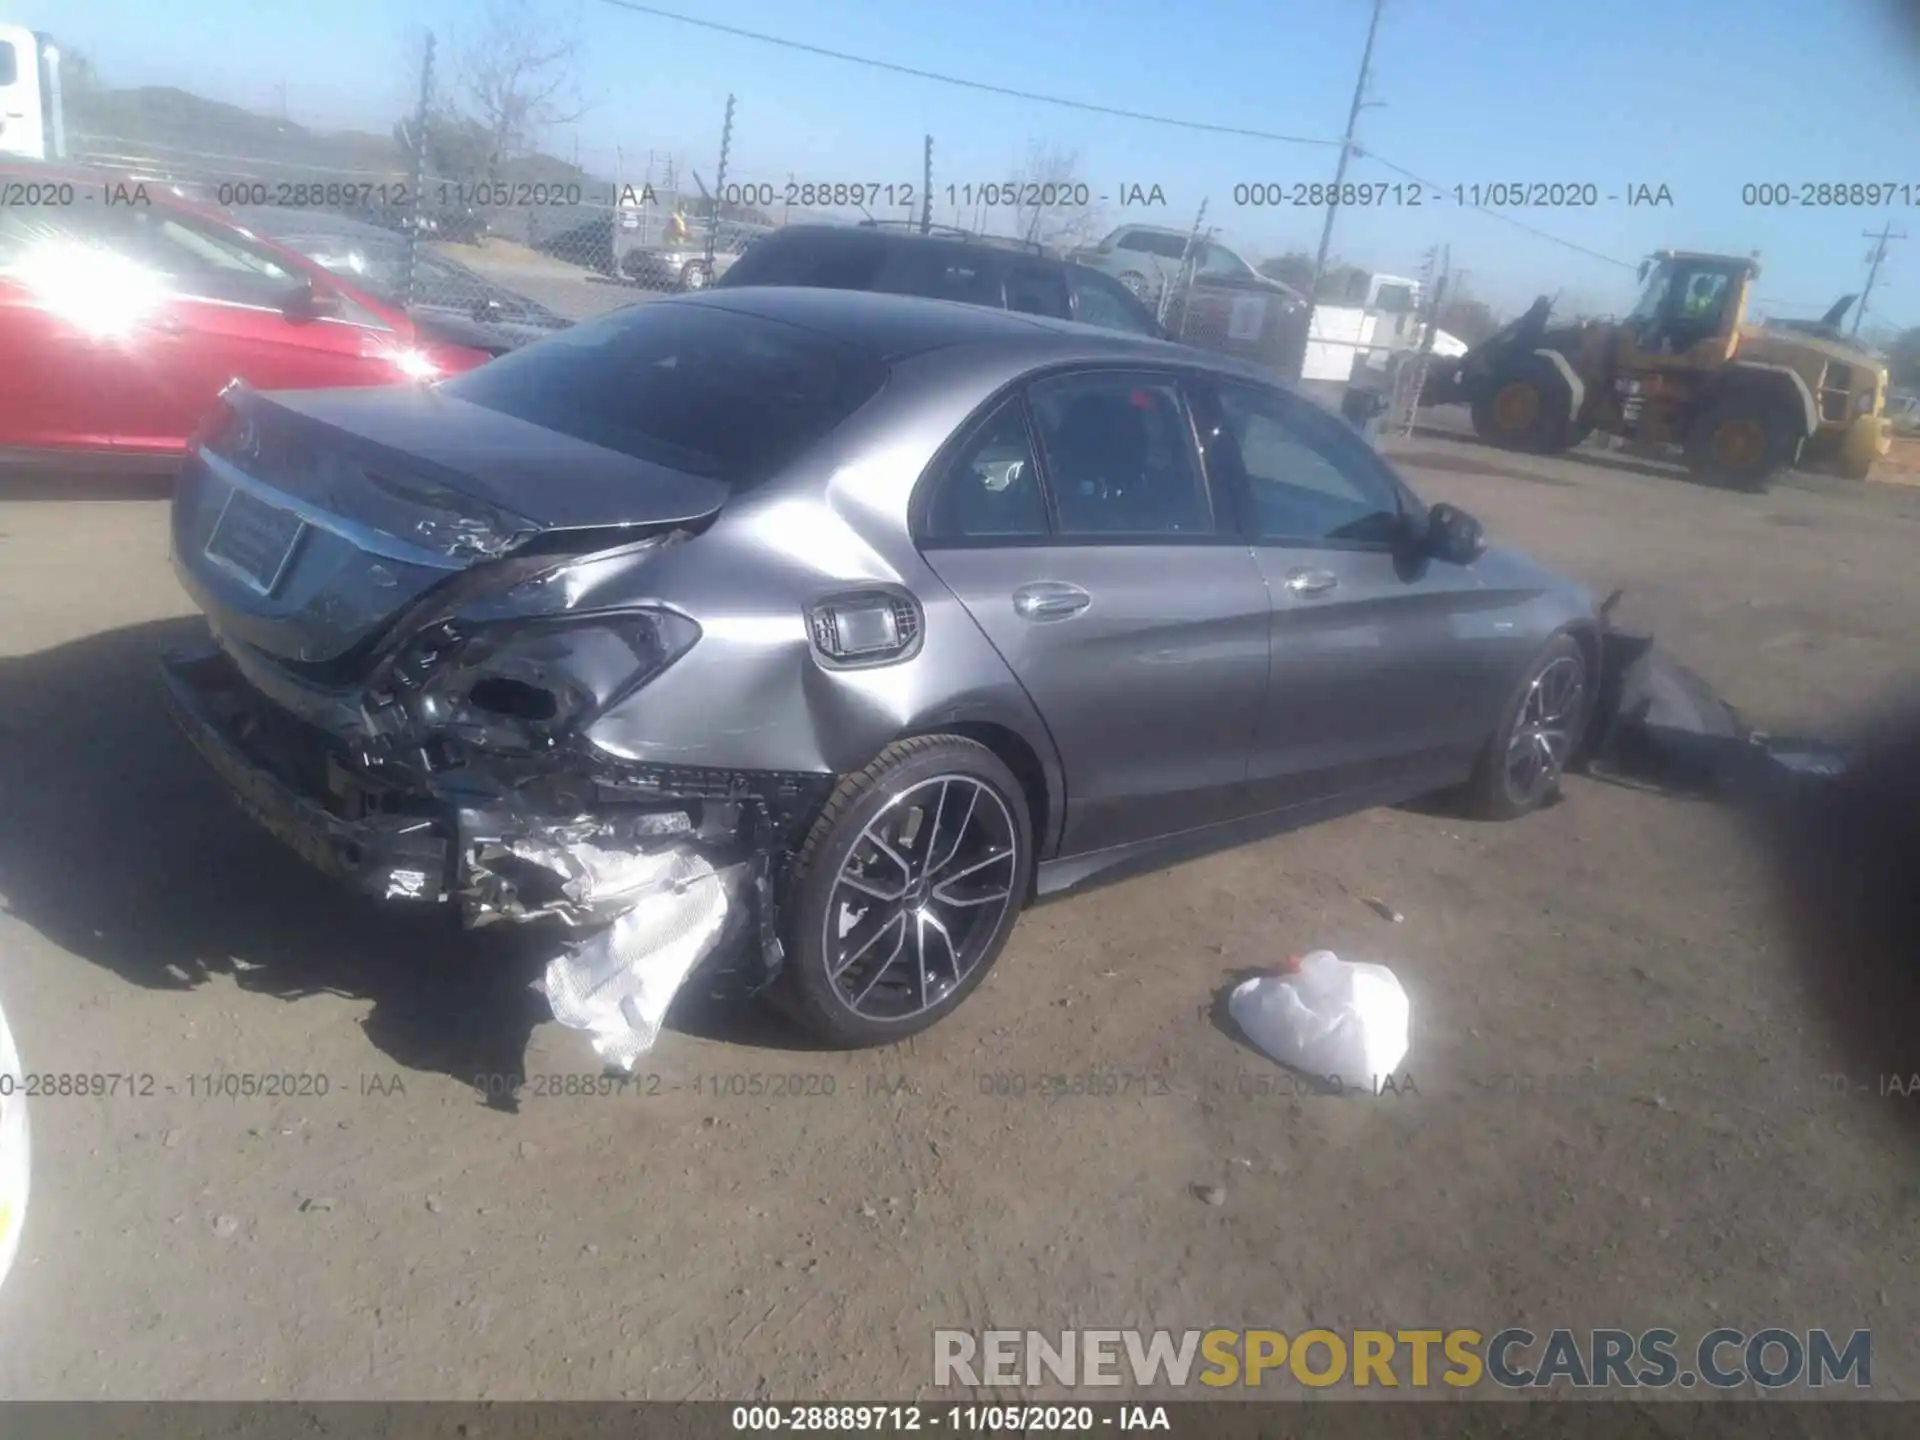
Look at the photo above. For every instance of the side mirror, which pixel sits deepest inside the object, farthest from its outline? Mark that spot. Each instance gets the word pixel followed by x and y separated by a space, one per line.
pixel 1453 535
pixel 311 302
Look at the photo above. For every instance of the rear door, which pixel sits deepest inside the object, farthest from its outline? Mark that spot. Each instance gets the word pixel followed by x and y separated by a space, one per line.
pixel 1382 665
pixel 1075 525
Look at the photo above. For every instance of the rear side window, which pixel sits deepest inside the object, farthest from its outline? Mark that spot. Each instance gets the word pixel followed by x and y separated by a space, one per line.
pixel 939 272
pixel 830 260
pixel 709 391
pixel 1120 457
pixel 9 66
pixel 1171 247
pixel 992 493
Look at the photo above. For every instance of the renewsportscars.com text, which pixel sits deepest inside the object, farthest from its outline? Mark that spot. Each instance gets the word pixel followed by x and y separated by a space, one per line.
pixel 1512 1359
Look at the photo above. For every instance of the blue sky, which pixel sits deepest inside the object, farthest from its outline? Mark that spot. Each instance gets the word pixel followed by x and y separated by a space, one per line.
pixel 1702 96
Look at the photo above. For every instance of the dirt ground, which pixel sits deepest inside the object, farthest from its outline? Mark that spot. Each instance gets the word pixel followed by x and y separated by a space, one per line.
pixel 1672 1154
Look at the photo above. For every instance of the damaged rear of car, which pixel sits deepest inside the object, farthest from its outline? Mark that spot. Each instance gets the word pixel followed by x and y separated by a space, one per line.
pixel 436 621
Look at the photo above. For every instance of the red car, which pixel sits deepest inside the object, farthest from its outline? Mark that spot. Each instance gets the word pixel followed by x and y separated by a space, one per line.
pixel 124 310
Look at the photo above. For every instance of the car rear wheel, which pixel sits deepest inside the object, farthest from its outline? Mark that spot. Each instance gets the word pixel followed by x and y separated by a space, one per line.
pixel 1540 729
pixel 1135 282
pixel 694 277
pixel 904 892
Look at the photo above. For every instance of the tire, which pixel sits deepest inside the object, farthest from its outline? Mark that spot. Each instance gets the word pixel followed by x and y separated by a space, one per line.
pixel 693 277
pixel 830 925
pixel 1742 440
pixel 1492 793
pixel 1853 469
pixel 1137 284
pixel 1525 407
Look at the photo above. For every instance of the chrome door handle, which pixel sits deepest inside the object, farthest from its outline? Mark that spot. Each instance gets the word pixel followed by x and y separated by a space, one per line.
pixel 1050 600
pixel 1311 582
pixel 168 325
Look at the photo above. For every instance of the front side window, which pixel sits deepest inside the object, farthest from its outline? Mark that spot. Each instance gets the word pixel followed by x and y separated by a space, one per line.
pixel 938 272
pixel 836 260
pixel 728 396
pixel 161 249
pixel 9 64
pixel 1120 458
pixel 1170 247
pixel 1222 264
pixel 1307 477
pixel 992 492
pixel 1653 298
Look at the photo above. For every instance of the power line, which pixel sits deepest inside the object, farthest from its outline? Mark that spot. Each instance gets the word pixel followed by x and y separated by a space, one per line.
pixel 1500 215
pixel 888 65
pixel 1062 102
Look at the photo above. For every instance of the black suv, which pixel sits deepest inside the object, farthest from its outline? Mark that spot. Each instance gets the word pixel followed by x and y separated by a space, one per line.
pixel 899 258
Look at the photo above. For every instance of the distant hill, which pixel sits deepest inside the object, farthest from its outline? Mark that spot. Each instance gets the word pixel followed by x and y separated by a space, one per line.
pixel 179 131
pixel 174 132
pixel 168 121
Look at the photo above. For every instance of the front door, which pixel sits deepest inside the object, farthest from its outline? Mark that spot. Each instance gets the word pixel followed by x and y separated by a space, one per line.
pixel 229 318
pixel 1076 527
pixel 1381 663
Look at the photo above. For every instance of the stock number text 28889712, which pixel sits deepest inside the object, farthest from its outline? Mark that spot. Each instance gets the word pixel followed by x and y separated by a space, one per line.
pixel 1275 194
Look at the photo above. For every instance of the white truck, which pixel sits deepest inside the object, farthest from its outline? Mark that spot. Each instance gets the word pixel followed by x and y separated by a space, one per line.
pixel 31 121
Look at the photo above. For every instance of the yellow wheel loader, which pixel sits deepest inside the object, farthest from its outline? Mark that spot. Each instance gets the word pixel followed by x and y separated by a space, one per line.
pixel 1684 368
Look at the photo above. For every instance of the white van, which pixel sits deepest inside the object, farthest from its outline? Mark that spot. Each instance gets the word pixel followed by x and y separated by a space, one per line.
pixel 30 117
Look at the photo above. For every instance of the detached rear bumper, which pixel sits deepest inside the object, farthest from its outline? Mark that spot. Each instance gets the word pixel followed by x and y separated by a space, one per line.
pixel 301 793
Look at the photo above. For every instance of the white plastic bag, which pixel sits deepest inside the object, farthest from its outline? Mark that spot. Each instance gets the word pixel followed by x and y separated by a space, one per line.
pixel 13 1149
pixel 1329 1018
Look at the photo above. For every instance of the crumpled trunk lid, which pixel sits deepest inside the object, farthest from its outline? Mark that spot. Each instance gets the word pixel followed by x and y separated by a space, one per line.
pixel 307 520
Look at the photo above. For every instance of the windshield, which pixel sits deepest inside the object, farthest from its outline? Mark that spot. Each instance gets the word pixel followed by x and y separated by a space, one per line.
pixel 1653 297
pixel 719 394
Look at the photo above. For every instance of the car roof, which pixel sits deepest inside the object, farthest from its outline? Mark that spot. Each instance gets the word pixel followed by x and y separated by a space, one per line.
pixel 877 234
pixel 896 327
pixel 275 222
pixel 1002 246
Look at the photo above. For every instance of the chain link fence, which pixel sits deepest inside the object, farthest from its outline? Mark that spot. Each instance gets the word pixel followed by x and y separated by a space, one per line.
pixel 573 246
pixel 533 243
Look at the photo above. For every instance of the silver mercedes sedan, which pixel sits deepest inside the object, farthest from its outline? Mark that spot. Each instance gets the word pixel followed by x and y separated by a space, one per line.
pixel 903 612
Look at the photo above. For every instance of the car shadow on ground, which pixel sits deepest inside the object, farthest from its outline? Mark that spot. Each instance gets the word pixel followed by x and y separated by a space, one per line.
pixel 120 846
pixel 40 486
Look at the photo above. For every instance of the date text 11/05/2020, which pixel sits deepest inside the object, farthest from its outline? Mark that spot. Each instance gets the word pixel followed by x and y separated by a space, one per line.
pixel 992 194
pixel 1481 195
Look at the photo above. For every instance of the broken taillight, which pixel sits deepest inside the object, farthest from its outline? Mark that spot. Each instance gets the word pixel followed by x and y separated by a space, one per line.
pixel 219 419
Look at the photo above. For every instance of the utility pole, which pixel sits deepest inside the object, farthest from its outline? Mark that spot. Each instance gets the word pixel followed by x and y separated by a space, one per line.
pixel 926 185
pixel 1346 150
pixel 719 185
pixel 422 117
pixel 1873 269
